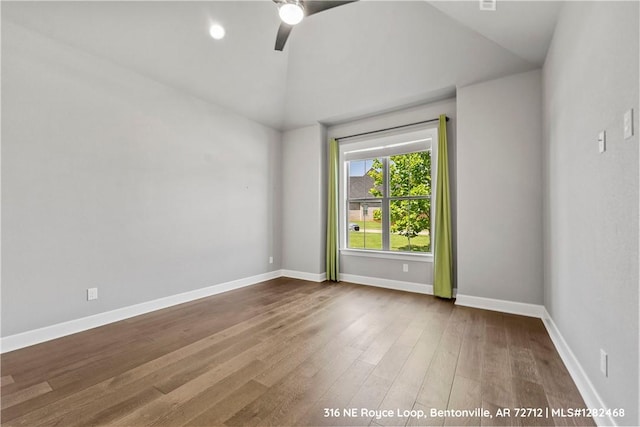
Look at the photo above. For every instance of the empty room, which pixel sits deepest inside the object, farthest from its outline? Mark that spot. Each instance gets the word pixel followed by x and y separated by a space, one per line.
pixel 310 213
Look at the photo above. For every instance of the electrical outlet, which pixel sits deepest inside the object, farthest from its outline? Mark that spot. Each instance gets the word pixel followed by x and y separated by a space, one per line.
pixel 604 363
pixel 405 267
pixel 270 260
pixel 602 141
pixel 92 293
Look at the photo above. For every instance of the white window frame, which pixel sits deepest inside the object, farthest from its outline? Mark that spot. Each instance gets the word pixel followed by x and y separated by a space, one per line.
pixel 366 144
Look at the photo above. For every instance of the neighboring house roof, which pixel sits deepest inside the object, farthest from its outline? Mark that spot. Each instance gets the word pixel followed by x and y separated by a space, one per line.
pixel 359 187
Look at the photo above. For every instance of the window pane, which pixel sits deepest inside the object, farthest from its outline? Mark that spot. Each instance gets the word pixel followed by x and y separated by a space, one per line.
pixel 410 174
pixel 365 225
pixel 410 225
pixel 365 179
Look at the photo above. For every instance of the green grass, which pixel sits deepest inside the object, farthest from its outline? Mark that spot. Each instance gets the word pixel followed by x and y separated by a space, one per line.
pixel 357 240
pixel 370 225
pixel 398 243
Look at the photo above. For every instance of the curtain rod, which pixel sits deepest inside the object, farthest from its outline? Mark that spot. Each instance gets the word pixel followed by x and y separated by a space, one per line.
pixel 391 128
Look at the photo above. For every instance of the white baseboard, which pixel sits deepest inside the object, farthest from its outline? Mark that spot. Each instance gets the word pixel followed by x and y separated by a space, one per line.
pixel 312 277
pixel 587 390
pixel 523 309
pixel 389 284
pixel 36 336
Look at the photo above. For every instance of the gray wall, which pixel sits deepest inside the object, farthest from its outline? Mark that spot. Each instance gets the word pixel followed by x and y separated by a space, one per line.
pixel 420 272
pixel 591 199
pixel 114 181
pixel 500 189
pixel 303 199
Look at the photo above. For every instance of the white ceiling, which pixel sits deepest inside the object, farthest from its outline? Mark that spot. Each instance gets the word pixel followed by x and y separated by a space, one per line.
pixel 523 27
pixel 350 61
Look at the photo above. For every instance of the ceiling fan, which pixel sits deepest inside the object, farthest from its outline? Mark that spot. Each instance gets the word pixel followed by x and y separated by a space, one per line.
pixel 293 11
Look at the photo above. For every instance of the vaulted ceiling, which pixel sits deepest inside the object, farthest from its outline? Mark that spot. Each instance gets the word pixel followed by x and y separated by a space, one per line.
pixel 358 59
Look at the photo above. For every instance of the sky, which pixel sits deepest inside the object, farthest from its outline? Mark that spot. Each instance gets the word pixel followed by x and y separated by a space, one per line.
pixel 359 167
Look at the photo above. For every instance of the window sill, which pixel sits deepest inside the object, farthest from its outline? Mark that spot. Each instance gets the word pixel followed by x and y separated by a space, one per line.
pixel 406 256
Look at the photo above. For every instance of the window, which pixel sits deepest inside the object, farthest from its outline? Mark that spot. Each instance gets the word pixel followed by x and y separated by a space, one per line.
pixel 387 193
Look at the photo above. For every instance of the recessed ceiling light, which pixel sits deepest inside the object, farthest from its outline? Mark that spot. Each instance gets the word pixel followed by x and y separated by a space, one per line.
pixel 217 31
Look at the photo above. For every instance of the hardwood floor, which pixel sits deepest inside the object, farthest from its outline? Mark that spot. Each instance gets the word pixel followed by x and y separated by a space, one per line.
pixel 280 352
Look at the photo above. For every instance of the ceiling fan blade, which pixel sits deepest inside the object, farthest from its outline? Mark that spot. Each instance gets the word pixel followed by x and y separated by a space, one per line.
pixel 310 7
pixel 283 35
pixel 315 6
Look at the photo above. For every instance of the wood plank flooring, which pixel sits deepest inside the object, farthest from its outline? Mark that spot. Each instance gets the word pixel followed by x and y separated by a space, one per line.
pixel 281 352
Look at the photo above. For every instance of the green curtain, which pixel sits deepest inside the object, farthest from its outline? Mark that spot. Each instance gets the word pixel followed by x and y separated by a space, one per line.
pixel 442 255
pixel 333 259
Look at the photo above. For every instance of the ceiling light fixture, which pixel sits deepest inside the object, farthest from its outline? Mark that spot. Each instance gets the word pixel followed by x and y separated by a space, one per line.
pixel 217 31
pixel 291 12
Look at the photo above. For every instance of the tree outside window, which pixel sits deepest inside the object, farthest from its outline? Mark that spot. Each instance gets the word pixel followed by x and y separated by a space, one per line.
pixel 406 197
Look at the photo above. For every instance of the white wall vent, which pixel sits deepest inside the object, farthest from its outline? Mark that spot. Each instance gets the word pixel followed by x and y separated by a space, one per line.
pixel 488 5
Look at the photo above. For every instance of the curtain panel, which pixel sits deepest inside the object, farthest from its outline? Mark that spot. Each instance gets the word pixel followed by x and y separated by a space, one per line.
pixel 442 253
pixel 333 257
